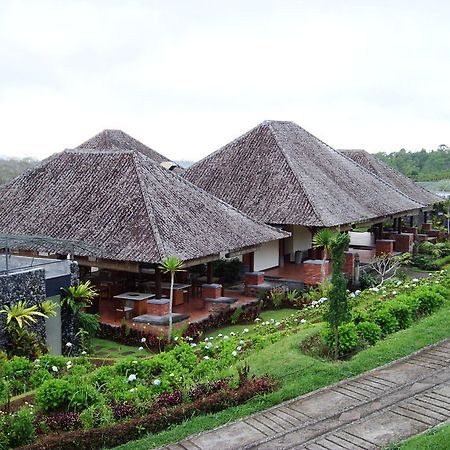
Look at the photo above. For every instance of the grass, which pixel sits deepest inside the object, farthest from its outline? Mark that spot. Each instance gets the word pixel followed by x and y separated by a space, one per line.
pixel 433 439
pixel 299 374
pixel 103 348
pixel 276 315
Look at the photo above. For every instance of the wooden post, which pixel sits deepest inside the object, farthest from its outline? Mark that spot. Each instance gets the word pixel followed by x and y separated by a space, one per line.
pixel 251 264
pixel 379 234
pixel 411 221
pixel 209 273
pixel 425 216
pixel 158 289
pixel 395 223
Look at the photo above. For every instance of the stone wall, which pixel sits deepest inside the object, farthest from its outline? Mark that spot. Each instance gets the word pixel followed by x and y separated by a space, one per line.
pixel 69 321
pixel 29 286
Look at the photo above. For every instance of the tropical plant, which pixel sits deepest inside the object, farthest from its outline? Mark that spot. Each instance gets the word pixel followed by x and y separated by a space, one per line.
pixel 20 314
pixel 79 296
pixel 171 265
pixel 48 308
pixel 338 312
pixel 324 239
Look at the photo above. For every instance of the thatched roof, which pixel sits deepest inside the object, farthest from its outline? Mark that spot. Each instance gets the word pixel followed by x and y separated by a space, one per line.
pixel 118 140
pixel 120 202
pixel 392 176
pixel 279 173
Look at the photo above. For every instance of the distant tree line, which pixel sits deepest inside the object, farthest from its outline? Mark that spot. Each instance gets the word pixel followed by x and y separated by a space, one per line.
pixel 433 165
pixel 12 167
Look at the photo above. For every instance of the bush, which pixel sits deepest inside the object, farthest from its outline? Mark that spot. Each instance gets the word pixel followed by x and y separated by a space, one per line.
pixel 21 431
pixel 18 370
pixel 368 332
pixel 97 416
pixel 359 315
pixel 426 262
pixel 401 312
pixel 228 269
pixel 411 302
pixel 429 300
pixel 348 338
pixel 82 395
pixel 367 280
pixel 60 421
pixel 387 322
pixel 54 395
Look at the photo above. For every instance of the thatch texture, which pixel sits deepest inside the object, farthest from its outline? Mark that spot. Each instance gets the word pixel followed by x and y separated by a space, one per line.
pixel 396 179
pixel 279 173
pixel 118 140
pixel 125 205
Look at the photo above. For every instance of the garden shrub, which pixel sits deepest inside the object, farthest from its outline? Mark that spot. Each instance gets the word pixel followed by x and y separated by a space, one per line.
pixel 59 421
pixel 426 262
pixel 18 370
pixel 367 280
pixel 348 338
pixel 228 269
pixel 82 395
pixel 369 332
pixel 411 302
pixel 401 312
pixel 17 429
pixel 429 300
pixel 54 395
pixel 38 377
pixel 97 416
pixel 387 321
pixel 359 315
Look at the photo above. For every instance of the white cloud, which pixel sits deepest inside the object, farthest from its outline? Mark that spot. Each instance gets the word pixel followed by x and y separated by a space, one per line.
pixel 187 77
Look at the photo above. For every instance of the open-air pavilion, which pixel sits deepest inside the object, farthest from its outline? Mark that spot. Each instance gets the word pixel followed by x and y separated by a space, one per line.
pixel 130 213
pixel 280 174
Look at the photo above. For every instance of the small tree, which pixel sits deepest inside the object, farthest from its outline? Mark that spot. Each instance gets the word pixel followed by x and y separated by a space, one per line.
pixel 323 239
pixel 171 265
pixel 386 265
pixel 338 312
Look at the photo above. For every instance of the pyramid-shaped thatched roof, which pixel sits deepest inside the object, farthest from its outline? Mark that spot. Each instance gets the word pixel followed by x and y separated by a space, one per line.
pixel 392 176
pixel 126 206
pixel 118 140
pixel 279 173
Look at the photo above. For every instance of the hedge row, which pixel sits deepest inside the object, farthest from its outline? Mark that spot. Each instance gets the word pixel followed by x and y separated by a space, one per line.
pixel 114 435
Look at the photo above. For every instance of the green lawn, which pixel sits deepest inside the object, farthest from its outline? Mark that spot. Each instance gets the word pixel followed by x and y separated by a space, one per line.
pixel 433 439
pixel 276 315
pixel 102 348
pixel 299 374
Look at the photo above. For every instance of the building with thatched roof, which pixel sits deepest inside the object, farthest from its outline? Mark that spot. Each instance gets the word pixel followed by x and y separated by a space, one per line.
pixel 124 208
pixel 393 177
pixel 280 174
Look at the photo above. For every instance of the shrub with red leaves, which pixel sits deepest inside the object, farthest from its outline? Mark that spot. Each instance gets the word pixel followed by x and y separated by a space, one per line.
pixel 122 410
pixel 60 421
pixel 170 399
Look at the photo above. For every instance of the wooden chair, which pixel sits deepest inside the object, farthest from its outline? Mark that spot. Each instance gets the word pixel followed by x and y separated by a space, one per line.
pixel 123 311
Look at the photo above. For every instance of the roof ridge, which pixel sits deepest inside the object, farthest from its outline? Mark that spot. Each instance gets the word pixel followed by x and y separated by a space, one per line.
pixel 380 178
pixel 286 157
pixel 363 168
pixel 149 209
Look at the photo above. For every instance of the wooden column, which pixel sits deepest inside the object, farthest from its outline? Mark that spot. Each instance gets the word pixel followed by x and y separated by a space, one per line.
pixel 158 290
pixel 379 234
pixel 280 253
pixel 411 221
pixel 425 216
pixel 251 263
pixel 395 223
pixel 209 273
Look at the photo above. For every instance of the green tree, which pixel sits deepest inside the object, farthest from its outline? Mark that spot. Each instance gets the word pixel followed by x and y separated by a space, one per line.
pixel 171 265
pixel 338 312
pixel 324 238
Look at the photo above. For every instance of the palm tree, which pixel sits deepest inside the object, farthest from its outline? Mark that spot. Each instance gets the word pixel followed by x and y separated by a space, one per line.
pixel 324 238
pixel 171 265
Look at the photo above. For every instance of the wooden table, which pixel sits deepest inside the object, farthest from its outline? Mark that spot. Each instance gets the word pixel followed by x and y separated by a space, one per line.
pixel 138 300
pixel 178 290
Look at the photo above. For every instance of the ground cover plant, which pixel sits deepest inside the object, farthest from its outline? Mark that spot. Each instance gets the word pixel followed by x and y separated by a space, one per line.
pixel 77 398
pixel 434 439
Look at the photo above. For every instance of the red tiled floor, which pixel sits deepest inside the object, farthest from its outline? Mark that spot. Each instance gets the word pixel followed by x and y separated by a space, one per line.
pixel 290 271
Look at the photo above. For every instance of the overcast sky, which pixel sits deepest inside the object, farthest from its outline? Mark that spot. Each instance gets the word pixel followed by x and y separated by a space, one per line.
pixel 186 77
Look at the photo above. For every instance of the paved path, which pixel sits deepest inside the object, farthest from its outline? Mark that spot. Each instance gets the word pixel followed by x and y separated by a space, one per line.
pixel 369 411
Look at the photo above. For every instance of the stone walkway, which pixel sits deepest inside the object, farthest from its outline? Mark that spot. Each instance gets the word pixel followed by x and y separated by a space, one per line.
pixel 370 411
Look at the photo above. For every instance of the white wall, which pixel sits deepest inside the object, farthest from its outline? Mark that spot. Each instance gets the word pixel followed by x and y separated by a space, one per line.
pixel 266 256
pixel 301 240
